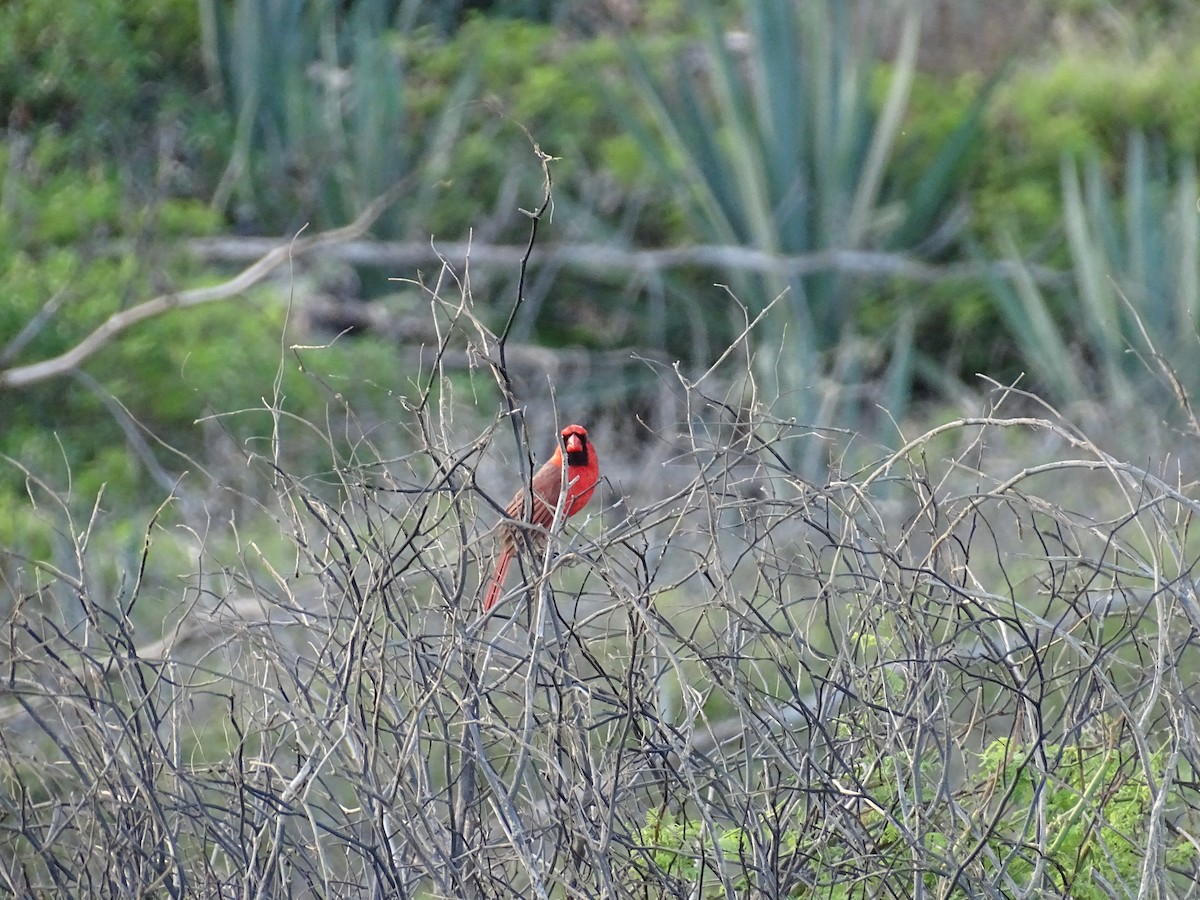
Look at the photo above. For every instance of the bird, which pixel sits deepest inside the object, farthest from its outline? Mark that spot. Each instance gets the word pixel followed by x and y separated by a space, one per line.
pixel 582 472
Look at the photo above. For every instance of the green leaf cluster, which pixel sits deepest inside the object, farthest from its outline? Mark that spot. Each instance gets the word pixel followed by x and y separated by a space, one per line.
pixel 53 202
pixel 89 67
pixel 1097 803
pixel 1084 104
pixel 685 852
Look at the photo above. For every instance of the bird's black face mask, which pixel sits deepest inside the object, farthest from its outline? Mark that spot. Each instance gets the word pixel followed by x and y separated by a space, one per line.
pixel 576 446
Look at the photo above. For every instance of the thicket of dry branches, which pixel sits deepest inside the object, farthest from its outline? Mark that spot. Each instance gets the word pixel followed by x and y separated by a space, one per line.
pixel 723 681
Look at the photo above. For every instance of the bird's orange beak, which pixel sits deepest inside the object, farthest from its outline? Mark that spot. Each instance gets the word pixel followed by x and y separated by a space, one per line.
pixel 574 444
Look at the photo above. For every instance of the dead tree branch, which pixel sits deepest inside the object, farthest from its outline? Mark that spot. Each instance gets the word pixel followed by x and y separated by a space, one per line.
pixel 270 255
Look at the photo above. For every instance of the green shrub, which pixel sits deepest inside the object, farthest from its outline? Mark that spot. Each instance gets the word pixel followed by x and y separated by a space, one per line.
pixel 1083 104
pixel 92 63
pixel 1097 801
pixel 339 110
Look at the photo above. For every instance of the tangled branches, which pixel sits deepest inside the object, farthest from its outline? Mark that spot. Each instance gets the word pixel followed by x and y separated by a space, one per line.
pixel 944 674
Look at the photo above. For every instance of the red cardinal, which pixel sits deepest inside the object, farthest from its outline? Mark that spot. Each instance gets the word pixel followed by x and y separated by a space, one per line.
pixel 582 473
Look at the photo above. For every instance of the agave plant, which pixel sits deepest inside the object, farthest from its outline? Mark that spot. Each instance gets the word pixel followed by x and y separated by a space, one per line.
pixel 322 110
pixel 782 148
pixel 1125 332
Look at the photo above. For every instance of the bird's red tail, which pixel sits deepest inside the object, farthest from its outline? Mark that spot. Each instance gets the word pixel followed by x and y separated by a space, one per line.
pixel 496 585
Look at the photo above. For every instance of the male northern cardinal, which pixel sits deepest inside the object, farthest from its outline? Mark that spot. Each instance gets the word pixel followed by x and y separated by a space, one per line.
pixel 581 473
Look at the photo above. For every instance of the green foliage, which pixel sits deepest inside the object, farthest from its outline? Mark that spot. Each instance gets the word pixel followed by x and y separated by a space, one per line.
pixel 60 282
pixel 322 111
pixel 1083 104
pixel 342 108
pixel 1097 800
pixel 181 218
pixel 1053 124
pixel 167 372
pixel 792 150
pixel 534 85
pixel 192 350
pixel 1135 285
pixel 90 290
pixel 21 533
pixel 685 851
pixel 91 63
pixel 51 201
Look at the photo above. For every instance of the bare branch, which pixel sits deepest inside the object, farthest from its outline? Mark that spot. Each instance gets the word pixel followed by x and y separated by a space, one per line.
pixel 607 258
pixel 270 256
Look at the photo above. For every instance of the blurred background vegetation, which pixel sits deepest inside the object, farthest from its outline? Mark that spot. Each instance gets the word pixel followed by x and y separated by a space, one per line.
pixel 936 190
